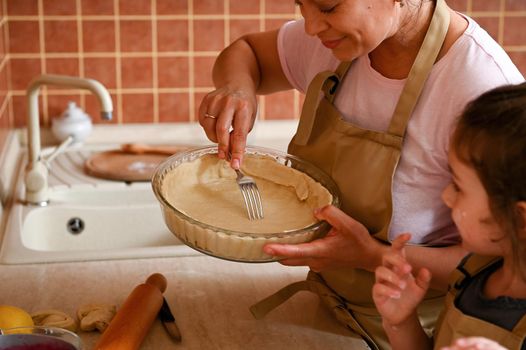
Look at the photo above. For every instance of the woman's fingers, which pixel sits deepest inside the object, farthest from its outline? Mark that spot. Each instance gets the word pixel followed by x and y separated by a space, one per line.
pixel 222 128
pixel 242 124
pixel 302 251
pixel 338 219
pixel 205 120
pixel 227 117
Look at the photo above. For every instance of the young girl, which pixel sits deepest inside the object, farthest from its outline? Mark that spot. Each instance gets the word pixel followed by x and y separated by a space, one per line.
pixel 487 197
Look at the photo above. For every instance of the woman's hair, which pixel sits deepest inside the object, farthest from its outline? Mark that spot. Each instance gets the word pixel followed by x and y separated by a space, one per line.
pixel 491 137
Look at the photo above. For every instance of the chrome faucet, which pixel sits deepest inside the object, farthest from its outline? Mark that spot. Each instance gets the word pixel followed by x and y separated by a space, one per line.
pixel 36 176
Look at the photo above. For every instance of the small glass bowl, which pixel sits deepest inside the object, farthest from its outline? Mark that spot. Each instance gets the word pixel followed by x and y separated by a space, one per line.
pixel 236 245
pixel 39 337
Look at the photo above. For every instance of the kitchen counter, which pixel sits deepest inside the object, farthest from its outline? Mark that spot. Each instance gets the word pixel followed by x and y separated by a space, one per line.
pixel 209 298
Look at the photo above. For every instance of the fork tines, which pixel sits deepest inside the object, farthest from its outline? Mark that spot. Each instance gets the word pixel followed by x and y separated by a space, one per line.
pixel 251 196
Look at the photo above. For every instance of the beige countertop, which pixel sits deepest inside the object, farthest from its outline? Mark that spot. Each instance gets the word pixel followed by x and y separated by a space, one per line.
pixel 209 298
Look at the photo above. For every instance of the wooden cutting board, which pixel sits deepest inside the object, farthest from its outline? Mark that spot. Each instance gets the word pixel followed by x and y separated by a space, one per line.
pixel 123 166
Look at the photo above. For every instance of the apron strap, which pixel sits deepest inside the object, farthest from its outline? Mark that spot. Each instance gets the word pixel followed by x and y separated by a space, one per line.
pixel 314 284
pixel 341 71
pixel 470 265
pixel 263 307
pixel 420 70
pixel 326 81
pixel 520 327
pixel 312 100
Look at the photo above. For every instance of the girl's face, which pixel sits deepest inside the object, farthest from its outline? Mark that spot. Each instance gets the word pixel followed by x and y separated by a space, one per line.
pixel 469 204
pixel 350 28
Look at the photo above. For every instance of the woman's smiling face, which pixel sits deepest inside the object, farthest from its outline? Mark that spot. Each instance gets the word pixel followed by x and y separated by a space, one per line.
pixel 350 28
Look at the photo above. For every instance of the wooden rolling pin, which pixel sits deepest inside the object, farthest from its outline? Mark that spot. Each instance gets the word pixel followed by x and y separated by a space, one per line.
pixel 135 317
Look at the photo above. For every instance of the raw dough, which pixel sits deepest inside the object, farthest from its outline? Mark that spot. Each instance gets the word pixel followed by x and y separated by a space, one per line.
pixel 206 190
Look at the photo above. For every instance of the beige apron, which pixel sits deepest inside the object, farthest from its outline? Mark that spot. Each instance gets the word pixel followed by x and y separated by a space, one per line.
pixel 453 324
pixel 362 163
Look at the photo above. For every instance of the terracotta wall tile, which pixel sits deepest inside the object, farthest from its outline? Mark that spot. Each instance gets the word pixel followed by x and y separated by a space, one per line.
pixel 203 71
pixel 136 36
pixel 23 71
pixel 208 35
pixel 3 49
pixel 22 7
pixel 97 7
pixel 279 106
pixel 134 7
pixel 490 24
pixel 459 5
pixel 59 7
pixel 24 37
pixel 19 104
pixel 173 72
pixel 98 36
pixel 64 66
pixel 172 7
pixel 173 107
pixel 138 108
pixel 241 27
pixel 172 35
pixel 92 108
pixel 279 6
pixel 271 24
pixel 61 36
pixel 102 69
pixel 515 5
pixel 208 7
pixel 512 34
pixel 519 58
pixel 478 5
pixel 4 86
pixel 136 85
pixel 244 6
pixel 136 72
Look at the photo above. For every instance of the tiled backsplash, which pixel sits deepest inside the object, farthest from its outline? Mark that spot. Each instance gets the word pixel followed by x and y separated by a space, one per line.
pixel 155 56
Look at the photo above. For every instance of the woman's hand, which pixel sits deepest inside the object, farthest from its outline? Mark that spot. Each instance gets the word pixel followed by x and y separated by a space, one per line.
pixel 348 244
pixel 397 292
pixel 474 343
pixel 227 115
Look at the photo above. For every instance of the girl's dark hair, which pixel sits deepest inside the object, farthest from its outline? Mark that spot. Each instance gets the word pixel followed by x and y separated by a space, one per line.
pixel 491 137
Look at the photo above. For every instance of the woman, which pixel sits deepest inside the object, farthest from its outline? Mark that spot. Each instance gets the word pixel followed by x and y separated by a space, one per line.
pixel 381 130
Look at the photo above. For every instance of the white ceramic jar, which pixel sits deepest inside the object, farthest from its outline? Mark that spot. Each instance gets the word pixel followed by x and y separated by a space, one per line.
pixel 73 122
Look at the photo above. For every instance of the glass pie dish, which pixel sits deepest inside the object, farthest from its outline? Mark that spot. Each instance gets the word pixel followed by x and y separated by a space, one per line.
pixel 202 205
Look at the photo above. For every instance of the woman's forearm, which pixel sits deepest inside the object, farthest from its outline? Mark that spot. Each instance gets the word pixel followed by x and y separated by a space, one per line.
pixel 251 64
pixel 237 66
pixel 441 261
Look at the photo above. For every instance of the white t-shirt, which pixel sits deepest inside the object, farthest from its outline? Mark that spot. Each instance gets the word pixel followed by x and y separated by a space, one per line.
pixel 473 65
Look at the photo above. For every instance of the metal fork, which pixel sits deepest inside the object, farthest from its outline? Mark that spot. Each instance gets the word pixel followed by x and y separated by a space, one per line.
pixel 250 193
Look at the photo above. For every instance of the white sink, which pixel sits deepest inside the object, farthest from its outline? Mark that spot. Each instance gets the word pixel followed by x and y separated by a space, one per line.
pixel 120 221
pixel 87 219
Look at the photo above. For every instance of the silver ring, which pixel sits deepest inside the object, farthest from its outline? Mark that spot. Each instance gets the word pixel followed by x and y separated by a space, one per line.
pixel 210 116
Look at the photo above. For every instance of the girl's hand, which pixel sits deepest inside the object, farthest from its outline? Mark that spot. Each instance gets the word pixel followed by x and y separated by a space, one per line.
pixel 227 115
pixel 396 292
pixel 474 343
pixel 348 244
